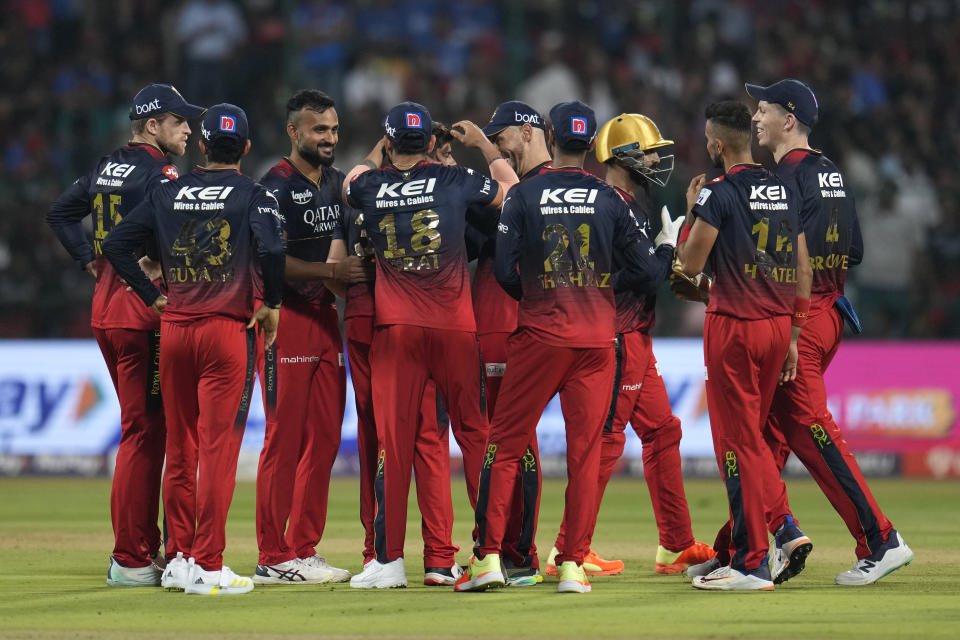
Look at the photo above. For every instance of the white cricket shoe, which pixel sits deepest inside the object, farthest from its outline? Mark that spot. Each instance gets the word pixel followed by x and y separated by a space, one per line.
pixel 702 569
pixel 729 579
pixel 888 558
pixel 121 576
pixel 319 565
pixel 790 550
pixel 381 576
pixel 177 573
pixel 212 583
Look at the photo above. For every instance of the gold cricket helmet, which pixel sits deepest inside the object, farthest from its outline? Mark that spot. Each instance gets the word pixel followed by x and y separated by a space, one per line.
pixel 629 138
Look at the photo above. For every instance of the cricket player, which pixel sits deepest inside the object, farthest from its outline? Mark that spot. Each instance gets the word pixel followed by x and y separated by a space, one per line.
pixel 303 373
pixel 555 245
pixel 747 225
pixel 431 461
pixel 800 420
pixel 212 227
pixel 519 132
pixel 414 214
pixel 129 333
pixel 633 152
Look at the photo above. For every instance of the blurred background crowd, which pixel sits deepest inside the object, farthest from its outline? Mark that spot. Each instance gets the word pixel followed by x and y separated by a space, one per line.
pixel 885 73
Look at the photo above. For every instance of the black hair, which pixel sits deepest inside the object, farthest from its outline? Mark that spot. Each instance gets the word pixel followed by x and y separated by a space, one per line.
pixel 225 150
pixel 412 142
pixel 309 99
pixel 731 114
pixel 730 120
pixel 442 132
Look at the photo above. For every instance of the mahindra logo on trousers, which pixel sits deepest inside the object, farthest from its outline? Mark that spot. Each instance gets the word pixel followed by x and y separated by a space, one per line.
pixel 302 197
pixel 203 193
pixel 571 196
pixel 142 109
pixel 764 192
pixel 117 170
pixel 412 188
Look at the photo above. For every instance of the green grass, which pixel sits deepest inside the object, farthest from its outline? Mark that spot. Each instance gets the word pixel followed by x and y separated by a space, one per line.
pixel 55 540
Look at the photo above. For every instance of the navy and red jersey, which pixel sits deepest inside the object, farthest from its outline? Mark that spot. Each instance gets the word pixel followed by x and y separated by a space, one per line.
pixel 416 221
pixel 557 235
pixel 635 309
pixel 494 309
pixel 209 225
pixel 359 300
pixel 754 259
pixel 311 213
pixel 829 218
pixel 113 188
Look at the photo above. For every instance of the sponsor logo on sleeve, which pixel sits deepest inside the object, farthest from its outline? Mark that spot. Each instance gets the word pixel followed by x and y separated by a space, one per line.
pixel 171 172
pixel 704 196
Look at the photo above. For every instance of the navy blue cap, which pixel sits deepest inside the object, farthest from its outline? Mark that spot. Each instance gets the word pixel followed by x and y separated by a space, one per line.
pixel 225 120
pixel 155 99
pixel 409 126
pixel 792 95
pixel 512 114
pixel 574 125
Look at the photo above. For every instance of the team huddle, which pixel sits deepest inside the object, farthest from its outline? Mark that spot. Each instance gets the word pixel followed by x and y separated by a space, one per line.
pixel 192 271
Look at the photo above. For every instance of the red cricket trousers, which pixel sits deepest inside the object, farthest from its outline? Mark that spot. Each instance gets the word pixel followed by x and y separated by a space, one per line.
pixel 402 359
pixel 206 372
pixel 640 398
pixel 743 360
pixel 431 461
pixel 800 422
pixel 132 356
pixel 304 391
pixel 518 543
pixel 535 373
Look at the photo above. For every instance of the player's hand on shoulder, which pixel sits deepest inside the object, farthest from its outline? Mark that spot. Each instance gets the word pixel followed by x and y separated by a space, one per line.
pixel 693 191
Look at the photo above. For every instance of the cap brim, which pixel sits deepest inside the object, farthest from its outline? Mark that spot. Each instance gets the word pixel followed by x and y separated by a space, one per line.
pixel 189 111
pixel 756 91
pixel 493 129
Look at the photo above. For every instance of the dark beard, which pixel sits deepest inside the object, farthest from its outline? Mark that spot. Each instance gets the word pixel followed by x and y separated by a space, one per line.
pixel 313 157
pixel 717 161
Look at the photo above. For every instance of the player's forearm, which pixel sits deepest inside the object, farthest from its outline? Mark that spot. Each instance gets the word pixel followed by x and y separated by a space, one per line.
pixel 272 268
pixel 298 270
pixel 502 173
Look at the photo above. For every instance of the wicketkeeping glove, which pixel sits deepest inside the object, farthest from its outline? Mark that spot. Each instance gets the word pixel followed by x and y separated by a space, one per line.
pixel 669 230
pixel 696 289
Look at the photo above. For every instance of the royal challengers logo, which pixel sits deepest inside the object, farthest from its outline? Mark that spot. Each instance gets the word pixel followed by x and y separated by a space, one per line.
pixel 529 461
pixel 490 457
pixel 730 461
pixel 820 436
pixel 380 458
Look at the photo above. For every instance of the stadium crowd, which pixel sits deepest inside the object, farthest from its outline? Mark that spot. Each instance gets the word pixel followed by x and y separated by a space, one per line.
pixel 887 71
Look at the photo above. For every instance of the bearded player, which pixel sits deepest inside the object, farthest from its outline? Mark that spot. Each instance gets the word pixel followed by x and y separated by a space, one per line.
pixel 631 148
pixel 127 332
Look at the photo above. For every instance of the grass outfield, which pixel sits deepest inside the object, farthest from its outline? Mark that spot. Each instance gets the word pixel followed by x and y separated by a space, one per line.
pixel 55 540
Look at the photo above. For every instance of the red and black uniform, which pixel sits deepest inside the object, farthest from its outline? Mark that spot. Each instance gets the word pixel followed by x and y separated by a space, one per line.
pixel 640 398
pixel 210 227
pixel 746 337
pixel 496 315
pixel 303 374
pixel 431 462
pixel 557 234
pixel 800 420
pixel 424 322
pixel 129 337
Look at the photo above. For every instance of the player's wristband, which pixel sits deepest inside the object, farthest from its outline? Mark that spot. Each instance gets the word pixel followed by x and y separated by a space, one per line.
pixel 684 233
pixel 801 307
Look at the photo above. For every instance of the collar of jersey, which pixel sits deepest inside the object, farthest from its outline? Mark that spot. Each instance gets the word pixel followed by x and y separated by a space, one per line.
pixel 399 170
pixel 537 169
pixel 150 148
pixel 301 173
pixel 743 166
pixel 802 149
pixel 206 170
